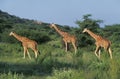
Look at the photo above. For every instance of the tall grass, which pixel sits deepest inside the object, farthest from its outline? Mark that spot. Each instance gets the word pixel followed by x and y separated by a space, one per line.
pixel 11 75
pixel 55 63
pixel 66 74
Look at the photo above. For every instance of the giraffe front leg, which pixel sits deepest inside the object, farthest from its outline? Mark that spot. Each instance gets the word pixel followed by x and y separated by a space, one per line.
pixel 28 54
pixel 75 48
pixel 24 52
pixel 97 48
pixel 66 46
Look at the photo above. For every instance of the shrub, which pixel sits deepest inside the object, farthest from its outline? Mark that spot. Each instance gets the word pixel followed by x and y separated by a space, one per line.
pixel 66 74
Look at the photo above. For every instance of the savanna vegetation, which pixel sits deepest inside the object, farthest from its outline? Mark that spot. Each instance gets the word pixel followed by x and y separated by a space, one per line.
pixel 54 62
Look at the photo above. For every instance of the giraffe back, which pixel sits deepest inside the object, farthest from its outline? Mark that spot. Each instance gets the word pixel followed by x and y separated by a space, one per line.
pixel 103 42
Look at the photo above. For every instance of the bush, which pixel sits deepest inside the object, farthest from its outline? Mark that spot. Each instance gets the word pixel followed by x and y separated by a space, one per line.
pixel 66 74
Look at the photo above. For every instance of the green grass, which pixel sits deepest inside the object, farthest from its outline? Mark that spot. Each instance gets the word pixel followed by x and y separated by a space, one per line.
pixel 55 63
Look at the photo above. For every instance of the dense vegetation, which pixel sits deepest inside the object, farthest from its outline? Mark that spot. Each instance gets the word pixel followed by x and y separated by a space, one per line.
pixel 54 62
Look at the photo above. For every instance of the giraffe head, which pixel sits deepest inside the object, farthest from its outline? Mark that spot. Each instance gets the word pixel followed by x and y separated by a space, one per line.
pixel 85 30
pixel 52 25
pixel 11 33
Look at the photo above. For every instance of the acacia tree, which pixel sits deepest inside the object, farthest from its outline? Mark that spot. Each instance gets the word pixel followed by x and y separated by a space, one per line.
pixel 89 23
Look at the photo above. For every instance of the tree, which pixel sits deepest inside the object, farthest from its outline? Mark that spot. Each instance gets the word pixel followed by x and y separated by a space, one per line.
pixel 112 32
pixel 89 23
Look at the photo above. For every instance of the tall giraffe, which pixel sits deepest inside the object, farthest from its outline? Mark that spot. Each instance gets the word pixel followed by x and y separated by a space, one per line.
pixel 67 38
pixel 26 43
pixel 100 42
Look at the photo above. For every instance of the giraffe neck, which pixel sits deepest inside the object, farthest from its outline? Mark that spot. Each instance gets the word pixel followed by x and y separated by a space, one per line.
pixel 92 34
pixel 18 37
pixel 59 31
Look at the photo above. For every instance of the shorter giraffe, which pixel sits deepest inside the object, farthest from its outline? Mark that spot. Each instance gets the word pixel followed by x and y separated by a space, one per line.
pixel 100 42
pixel 26 43
pixel 67 38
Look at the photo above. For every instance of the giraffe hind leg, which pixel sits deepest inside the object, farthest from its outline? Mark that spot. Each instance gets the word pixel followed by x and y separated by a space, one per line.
pixel 66 46
pixel 36 52
pixel 110 52
pixel 99 51
pixel 74 47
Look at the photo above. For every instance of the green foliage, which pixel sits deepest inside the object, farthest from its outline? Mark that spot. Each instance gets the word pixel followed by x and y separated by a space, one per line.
pixel 57 64
pixel 66 74
pixel 112 32
pixel 54 62
pixel 24 27
pixel 88 23
pixel 93 25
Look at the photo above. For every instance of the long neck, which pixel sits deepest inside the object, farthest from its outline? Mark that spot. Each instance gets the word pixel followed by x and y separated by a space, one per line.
pixel 92 34
pixel 18 37
pixel 59 31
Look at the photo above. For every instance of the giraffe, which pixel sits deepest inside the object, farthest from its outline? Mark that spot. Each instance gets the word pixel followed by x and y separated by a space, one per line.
pixel 100 42
pixel 26 43
pixel 67 38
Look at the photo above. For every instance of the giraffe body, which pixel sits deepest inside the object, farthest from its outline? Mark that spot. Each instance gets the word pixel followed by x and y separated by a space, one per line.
pixel 100 42
pixel 26 43
pixel 67 38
